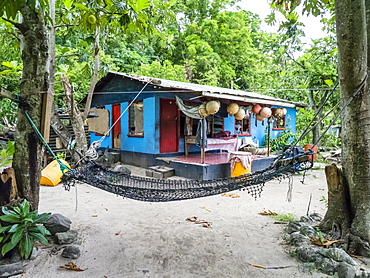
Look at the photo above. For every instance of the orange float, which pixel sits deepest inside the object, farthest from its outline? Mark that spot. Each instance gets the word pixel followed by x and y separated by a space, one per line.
pixel 256 108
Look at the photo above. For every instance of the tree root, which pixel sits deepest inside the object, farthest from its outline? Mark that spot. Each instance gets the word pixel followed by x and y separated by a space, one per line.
pixel 358 246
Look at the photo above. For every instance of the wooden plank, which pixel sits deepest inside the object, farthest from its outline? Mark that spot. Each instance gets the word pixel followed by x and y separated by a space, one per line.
pixel 47 102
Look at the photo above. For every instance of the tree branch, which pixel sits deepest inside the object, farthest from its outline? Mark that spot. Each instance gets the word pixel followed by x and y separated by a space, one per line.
pixel 20 26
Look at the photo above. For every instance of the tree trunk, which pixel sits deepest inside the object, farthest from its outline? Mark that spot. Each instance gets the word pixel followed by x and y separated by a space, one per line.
pixel 28 147
pixel 95 76
pixel 337 219
pixel 353 68
pixel 317 127
pixel 75 115
pixel 61 130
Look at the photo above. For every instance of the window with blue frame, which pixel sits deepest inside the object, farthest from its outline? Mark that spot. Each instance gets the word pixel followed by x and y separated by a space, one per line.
pixel 243 127
pixel 136 118
pixel 279 123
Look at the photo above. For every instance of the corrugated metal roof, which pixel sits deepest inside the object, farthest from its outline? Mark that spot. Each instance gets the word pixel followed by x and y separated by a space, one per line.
pixel 211 91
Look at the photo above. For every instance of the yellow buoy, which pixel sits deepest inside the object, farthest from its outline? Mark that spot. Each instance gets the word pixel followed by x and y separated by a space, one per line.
pixel 202 110
pixel 232 108
pixel 240 114
pixel 212 107
pixel 51 175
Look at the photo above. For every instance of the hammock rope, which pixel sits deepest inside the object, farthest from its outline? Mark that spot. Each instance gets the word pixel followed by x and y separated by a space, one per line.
pixel 157 190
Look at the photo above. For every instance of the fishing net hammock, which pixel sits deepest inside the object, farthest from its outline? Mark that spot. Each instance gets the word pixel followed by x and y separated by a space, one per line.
pixel 158 190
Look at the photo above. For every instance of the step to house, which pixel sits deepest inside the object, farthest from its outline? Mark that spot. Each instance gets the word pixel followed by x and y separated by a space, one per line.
pixel 160 172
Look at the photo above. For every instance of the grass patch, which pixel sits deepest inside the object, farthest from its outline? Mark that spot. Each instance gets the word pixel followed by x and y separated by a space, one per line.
pixel 284 217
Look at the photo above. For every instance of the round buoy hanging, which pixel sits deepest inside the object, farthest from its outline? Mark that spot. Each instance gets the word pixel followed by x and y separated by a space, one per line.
pixel 265 112
pixel 212 107
pixel 240 114
pixel 202 110
pixel 284 111
pixel 277 112
pixel 256 108
pixel 259 117
pixel 232 108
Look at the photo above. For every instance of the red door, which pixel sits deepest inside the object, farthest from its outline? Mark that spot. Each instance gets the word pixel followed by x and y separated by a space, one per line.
pixel 169 117
pixel 116 131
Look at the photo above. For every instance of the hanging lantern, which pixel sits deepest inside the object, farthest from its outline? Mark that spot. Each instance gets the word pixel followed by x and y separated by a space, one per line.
pixel 277 112
pixel 212 107
pixel 259 117
pixel 256 108
pixel 240 114
pixel 232 108
pixel 202 110
pixel 284 111
pixel 265 112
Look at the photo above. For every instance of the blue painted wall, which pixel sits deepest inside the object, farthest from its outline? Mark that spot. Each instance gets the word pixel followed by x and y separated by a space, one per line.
pixel 107 141
pixel 150 142
pixel 258 132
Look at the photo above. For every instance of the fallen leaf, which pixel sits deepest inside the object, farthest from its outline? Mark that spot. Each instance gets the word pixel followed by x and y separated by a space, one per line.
pixel 267 212
pixel 356 256
pixel 117 233
pixel 106 209
pixel 206 209
pixel 94 215
pixel 72 266
pixel 195 220
pixel 326 243
pixel 256 265
pixel 87 202
pixel 192 219
pixel 230 195
pixel 207 225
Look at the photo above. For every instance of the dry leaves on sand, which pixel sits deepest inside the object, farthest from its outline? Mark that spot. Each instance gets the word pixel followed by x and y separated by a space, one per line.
pixel 325 242
pixel 72 266
pixel 267 212
pixel 205 209
pixel 230 195
pixel 196 220
pixel 271 267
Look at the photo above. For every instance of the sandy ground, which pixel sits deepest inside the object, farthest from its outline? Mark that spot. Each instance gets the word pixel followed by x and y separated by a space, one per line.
pixel 126 238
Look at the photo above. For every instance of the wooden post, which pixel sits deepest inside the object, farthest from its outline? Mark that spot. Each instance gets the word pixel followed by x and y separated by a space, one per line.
pixel 202 155
pixel 268 137
pixel 47 102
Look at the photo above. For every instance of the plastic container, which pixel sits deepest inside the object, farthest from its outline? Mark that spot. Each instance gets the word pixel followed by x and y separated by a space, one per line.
pixel 315 149
pixel 51 175
pixel 239 170
pixel 241 163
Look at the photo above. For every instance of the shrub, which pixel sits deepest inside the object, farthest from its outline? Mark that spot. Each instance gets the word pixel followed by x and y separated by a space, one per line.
pixel 25 229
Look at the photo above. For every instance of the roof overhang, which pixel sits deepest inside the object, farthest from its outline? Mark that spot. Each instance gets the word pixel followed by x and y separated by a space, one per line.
pixel 198 90
pixel 253 100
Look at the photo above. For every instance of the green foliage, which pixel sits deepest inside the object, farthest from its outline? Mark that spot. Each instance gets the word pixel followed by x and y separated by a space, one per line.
pixel 329 140
pixel 324 200
pixel 25 229
pixel 284 217
pixel 61 155
pixel 6 154
pixel 165 70
pixel 284 138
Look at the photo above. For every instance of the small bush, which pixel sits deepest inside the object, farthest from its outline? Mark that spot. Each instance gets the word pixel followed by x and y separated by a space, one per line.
pixel 25 229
